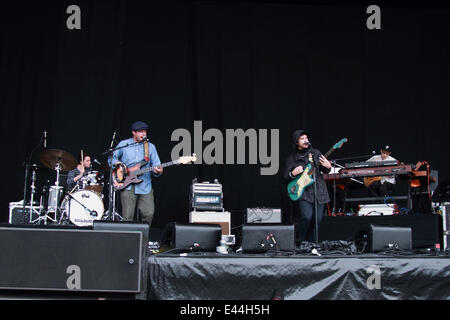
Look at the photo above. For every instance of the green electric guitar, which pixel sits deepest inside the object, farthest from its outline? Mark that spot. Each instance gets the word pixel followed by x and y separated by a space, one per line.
pixel 297 186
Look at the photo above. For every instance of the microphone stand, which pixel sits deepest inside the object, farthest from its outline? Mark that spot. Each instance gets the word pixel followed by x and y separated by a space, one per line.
pixel 84 207
pixel 333 165
pixel 27 168
pixel 316 231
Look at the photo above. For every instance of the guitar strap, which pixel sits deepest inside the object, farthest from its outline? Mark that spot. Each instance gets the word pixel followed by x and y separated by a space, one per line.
pixel 146 155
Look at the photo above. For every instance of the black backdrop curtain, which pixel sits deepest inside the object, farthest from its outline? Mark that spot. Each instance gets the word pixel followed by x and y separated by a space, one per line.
pixel 261 65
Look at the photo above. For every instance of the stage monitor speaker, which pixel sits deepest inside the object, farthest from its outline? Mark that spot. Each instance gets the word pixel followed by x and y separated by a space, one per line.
pixel 71 260
pixel 194 237
pixel 373 238
pixel 267 237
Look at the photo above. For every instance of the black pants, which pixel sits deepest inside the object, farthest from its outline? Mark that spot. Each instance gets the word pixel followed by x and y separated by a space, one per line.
pixel 306 222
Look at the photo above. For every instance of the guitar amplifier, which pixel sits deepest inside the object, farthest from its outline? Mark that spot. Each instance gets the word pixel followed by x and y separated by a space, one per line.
pixel 212 217
pixel 206 196
pixel 263 215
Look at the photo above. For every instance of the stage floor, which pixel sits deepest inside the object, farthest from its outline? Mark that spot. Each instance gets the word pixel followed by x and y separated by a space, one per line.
pixel 211 276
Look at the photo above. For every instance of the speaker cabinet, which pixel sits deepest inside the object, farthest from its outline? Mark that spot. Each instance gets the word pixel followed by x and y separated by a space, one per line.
pixel 195 237
pixel 17 214
pixel 264 237
pixel 373 238
pixel 75 260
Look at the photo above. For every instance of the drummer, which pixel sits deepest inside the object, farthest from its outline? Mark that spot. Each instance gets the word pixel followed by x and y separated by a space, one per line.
pixel 74 176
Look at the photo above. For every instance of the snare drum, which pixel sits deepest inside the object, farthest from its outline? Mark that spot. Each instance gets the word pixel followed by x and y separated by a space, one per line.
pixel 83 207
pixel 93 180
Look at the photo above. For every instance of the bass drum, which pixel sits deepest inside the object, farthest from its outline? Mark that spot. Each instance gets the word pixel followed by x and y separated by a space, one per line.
pixel 83 208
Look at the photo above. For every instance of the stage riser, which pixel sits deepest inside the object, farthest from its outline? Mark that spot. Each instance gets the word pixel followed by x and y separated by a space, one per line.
pixel 255 277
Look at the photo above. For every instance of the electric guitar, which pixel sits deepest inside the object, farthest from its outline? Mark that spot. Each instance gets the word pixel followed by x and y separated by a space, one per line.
pixel 297 186
pixel 123 176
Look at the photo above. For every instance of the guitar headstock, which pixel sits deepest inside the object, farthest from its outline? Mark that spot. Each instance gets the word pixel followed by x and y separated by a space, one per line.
pixel 187 159
pixel 340 143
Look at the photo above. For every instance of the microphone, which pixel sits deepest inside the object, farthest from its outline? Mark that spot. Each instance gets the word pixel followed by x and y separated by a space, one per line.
pixel 45 139
pixel 144 138
pixel 97 162
pixel 113 138
pixel 308 143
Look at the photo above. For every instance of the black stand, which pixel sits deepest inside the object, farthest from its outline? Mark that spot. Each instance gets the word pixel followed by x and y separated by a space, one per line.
pixel 316 227
pixel 333 165
pixel 27 169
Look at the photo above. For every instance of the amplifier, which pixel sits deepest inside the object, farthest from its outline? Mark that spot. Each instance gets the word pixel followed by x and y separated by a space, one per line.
pixel 206 196
pixel 263 215
pixel 17 214
pixel 212 217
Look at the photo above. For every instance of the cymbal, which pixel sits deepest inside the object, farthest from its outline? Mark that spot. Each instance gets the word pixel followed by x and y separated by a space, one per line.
pixel 51 157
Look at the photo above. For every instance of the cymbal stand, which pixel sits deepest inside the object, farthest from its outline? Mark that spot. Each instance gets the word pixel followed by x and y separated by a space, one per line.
pixel 33 191
pixel 27 168
pixel 56 196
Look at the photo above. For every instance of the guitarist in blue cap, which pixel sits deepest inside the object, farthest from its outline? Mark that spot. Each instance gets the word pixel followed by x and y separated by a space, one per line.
pixel 300 163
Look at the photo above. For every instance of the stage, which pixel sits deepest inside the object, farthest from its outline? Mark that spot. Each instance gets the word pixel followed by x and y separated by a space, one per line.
pixel 203 276
pixel 112 260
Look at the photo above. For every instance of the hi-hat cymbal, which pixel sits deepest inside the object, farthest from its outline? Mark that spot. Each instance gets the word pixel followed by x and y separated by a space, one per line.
pixel 51 157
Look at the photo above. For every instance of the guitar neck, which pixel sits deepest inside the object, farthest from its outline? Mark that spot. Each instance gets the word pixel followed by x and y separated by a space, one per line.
pixel 329 152
pixel 166 164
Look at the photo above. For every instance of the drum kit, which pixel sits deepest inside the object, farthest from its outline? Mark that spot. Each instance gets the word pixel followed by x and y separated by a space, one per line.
pixel 80 206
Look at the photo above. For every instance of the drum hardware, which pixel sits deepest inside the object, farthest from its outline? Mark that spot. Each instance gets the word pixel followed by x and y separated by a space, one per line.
pixel 33 191
pixel 27 164
pixel 65 214
pixel 93 181
pixel 58 160
pixel 111 213
pixel 51 157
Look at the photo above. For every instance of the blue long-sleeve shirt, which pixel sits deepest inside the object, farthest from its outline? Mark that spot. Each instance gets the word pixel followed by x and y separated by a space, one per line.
pixel 132 155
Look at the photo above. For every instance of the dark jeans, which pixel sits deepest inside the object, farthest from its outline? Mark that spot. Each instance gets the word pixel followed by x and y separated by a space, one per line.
pixel 306 222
